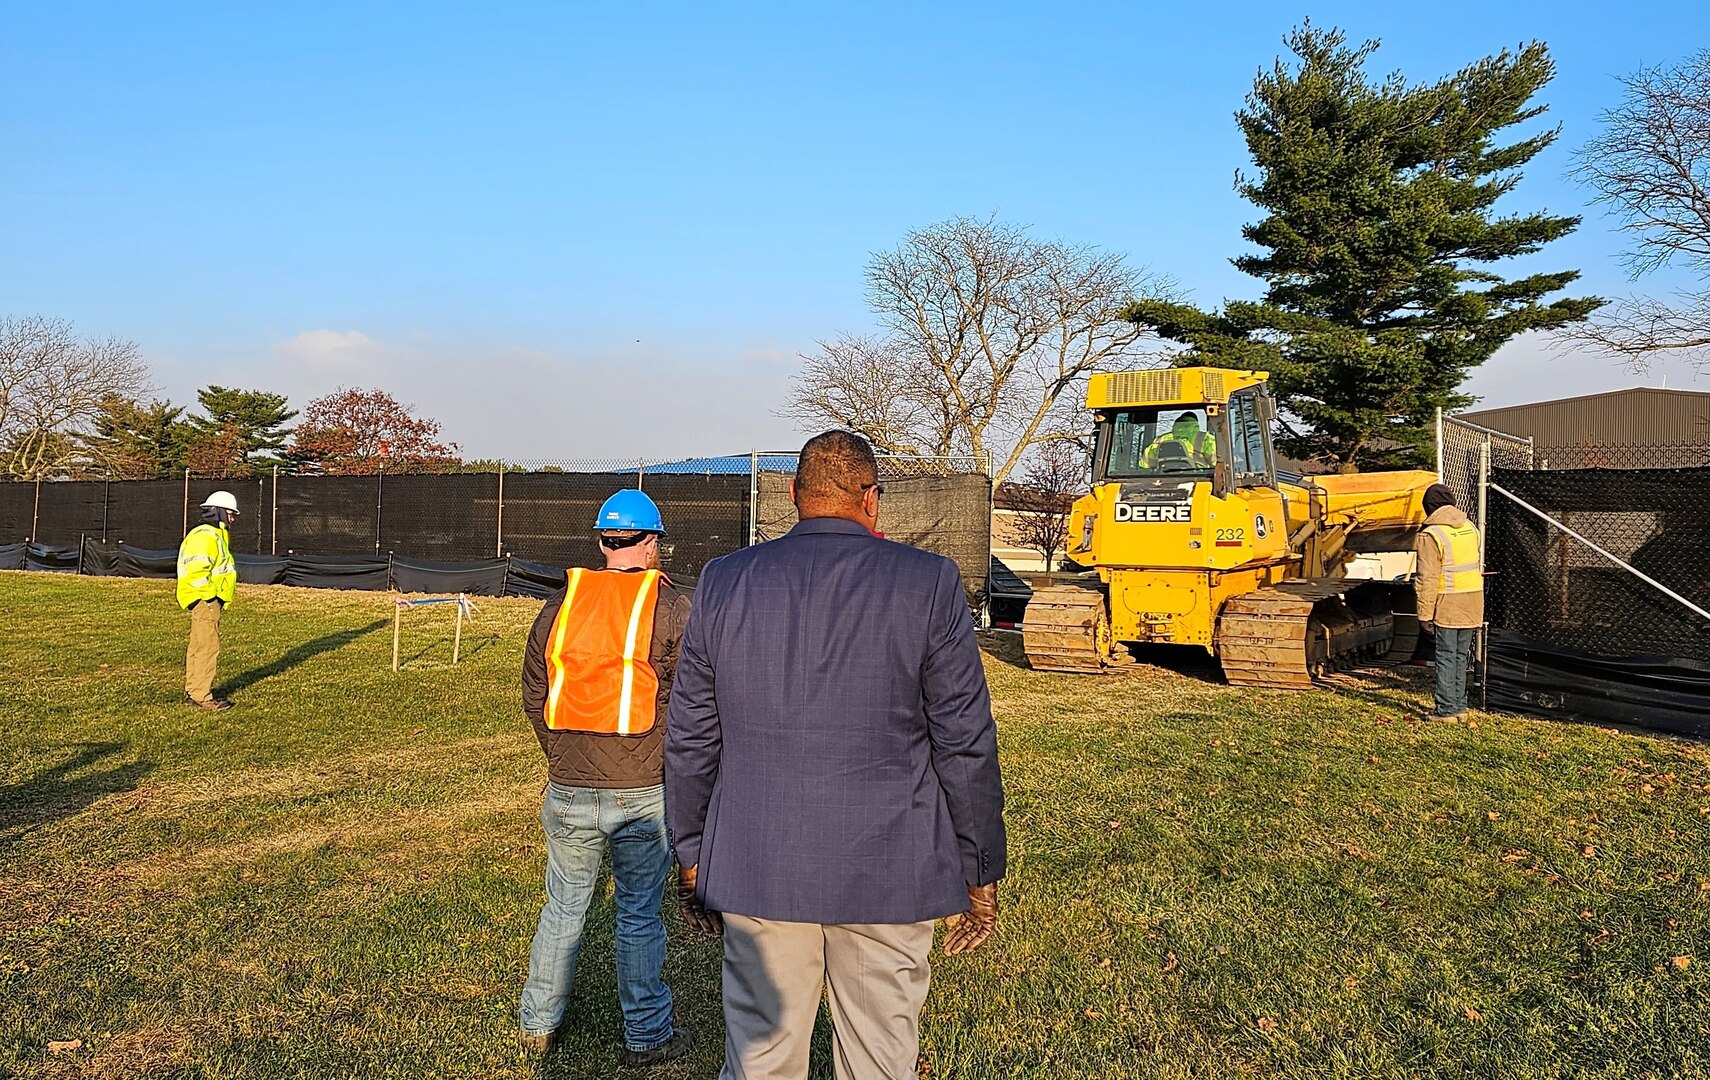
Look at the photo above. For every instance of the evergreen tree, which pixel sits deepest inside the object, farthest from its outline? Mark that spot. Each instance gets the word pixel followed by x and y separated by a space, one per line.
pixel 250 422
pixel 134 441
pixel 1380 223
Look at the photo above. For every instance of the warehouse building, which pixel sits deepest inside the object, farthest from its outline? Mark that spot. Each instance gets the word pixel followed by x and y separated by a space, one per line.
pixel 1637 428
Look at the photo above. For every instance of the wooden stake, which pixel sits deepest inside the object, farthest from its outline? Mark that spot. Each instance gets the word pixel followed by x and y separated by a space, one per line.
pixel 457 637
pixel 397 617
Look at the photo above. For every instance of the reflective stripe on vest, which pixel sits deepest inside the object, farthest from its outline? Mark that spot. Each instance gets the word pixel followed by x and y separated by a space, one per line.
pixel 1461 570
pixel 600 679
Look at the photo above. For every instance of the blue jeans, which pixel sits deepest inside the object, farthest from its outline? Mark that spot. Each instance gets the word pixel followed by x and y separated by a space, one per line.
pixel 580 823
pixel 1454 656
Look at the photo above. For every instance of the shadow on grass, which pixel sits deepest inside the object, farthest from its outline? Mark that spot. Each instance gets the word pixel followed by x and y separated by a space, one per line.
pixel 62 790
pixel 298 655
pixel 471 646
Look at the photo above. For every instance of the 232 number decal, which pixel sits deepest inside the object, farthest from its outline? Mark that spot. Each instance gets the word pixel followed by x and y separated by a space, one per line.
pixel 1231 537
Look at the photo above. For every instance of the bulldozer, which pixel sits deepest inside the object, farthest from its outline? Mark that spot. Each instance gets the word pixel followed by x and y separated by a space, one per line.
pixel 1190 537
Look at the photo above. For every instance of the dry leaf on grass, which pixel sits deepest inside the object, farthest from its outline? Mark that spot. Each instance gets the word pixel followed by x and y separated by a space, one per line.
pixel 1267 1024
pixel 1170 963
pixel 1681 962
pixel 1093 1014
pixel 1471 1013
pixel 65 1046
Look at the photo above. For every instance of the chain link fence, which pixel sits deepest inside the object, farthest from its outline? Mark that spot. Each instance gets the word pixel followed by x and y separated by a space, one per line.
pixel 1624 456
pixel 941 504
pixel 1466 454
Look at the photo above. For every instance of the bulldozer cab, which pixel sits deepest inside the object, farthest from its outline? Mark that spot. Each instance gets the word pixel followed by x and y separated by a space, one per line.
pixel 1227 442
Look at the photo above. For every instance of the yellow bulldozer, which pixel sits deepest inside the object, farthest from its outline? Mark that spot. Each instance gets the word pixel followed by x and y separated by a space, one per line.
pixel 1191 539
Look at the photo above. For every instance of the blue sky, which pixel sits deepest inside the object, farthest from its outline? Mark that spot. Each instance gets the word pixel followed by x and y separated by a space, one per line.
pixel 570 230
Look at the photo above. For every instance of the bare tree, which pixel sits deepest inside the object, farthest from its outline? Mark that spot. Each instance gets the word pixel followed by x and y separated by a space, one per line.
pixel 1652 165
pixel 988 338
pixel 1042 499
pixel 53 387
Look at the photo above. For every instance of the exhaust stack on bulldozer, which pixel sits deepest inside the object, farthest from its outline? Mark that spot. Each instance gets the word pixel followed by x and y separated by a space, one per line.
pixel 1191 539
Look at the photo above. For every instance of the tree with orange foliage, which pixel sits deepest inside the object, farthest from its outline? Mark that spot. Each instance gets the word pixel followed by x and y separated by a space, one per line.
pixel 356 432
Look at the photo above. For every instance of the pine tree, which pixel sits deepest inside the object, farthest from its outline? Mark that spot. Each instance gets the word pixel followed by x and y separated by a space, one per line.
pixel 1380 225
pixel 133 441
pixel 246 425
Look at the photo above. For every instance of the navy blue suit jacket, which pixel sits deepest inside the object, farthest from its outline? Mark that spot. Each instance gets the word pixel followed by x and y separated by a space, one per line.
pixel 830 755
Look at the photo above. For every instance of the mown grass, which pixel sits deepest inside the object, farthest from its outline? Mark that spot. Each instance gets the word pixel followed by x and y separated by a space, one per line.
pixel 340 877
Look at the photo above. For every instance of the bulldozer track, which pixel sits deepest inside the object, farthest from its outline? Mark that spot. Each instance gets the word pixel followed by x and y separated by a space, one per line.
pixel 1066 629
pixel 1287 635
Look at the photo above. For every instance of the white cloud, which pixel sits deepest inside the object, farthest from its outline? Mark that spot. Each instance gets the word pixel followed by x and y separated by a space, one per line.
pixel 320 344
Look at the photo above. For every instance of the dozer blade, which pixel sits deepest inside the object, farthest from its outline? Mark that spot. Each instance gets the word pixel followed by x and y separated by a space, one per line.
pixel 1287 635
pixel 1066 629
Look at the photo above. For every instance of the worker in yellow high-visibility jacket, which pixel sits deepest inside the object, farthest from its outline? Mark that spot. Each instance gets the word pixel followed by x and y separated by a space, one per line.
pixel 1448 588
pixel 207 581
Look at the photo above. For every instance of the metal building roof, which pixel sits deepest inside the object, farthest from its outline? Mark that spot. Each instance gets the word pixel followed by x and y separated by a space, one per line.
pixel 1637 416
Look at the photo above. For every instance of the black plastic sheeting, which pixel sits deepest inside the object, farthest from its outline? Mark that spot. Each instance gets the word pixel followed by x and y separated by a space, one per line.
pixel 1660 693
pixel 534 579
pixel 482 577
pixel 55 559
pixel 477 577
pixel 337 572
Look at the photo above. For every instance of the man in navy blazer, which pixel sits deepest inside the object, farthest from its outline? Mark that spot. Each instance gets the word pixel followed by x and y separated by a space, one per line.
pixel 831 777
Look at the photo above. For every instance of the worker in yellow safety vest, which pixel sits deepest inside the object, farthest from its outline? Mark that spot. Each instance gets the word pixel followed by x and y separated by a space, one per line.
pixel 1448 588
pixel 1185 444
pixel 207 581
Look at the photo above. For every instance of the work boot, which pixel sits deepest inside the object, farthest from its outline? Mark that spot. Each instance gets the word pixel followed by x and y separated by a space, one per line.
pixel 670 1050
pixel 211 705
pixel 537 1046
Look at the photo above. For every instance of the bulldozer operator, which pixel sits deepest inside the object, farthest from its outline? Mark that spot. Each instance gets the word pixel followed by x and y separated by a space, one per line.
pixel 1185 443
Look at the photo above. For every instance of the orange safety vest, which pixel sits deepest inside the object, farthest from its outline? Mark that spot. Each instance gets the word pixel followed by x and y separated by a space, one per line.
pixel 600 679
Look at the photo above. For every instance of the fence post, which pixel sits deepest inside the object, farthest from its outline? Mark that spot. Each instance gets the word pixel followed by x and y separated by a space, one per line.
pixel 185 528
pixel 640 471
pixel 36 511
pixel 753 497
pixel 499 536
pixel 273 548
pixel 106 503
pixel 1483 492
pixel 379 505
pixel 1439 444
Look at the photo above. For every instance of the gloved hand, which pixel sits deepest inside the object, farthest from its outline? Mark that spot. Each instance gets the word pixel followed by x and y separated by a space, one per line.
pixel 1427 626
pixel 968 931
pixel 693 911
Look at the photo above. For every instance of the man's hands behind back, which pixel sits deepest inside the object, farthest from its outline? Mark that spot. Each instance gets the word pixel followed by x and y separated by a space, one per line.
pixel 693 911
pixel 968 931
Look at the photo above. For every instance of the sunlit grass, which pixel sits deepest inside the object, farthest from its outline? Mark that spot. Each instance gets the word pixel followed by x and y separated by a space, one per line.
pixel 341 876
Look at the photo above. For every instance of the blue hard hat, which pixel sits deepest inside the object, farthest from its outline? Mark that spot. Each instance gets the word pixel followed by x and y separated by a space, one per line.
pixel 630 510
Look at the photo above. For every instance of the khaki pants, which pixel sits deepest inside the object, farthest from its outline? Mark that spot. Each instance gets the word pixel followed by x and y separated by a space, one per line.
pixel 876 976
pixel 204 653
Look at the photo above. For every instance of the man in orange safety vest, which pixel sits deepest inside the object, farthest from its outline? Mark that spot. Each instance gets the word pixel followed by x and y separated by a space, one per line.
pixel 596 678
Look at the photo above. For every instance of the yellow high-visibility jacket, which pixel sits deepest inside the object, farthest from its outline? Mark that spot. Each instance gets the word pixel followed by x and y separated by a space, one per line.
pixel 1200 448
pixel 206 569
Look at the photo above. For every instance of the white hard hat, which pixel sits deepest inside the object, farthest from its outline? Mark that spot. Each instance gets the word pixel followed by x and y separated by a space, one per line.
pixel 222 500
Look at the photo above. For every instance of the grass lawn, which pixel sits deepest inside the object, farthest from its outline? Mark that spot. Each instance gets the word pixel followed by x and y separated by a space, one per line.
pixel 340 877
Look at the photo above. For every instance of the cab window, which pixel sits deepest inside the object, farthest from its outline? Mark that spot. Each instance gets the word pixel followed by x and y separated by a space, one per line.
pixel 1248 453
pixel 1159 442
